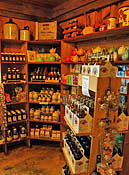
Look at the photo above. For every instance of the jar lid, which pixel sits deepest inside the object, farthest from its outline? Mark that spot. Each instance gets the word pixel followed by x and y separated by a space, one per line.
pixel 10 21
pixel 26 27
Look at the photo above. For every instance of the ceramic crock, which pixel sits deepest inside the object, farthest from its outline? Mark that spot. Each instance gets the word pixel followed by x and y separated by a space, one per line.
pixel 10 30
pixel 111 23
pixel 25 34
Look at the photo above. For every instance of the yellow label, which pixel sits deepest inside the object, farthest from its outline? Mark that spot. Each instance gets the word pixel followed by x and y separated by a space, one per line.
pixel 24 116
pixel 19 117
pixel 14 118
pixel 9 119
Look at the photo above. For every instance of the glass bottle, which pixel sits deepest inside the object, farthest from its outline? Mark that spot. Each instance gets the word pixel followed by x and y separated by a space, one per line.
pixel 9 74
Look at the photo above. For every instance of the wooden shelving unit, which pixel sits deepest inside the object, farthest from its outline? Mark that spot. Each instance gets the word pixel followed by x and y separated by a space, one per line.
pixel 56 85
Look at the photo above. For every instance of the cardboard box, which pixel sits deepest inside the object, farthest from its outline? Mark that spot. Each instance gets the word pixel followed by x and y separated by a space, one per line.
pixel 82 124
pixel 46 30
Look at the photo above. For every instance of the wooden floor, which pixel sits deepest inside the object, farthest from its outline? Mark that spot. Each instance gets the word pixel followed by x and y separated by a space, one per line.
pixel 38 160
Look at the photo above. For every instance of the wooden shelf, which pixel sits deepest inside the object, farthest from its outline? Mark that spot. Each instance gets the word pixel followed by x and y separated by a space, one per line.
pixel 44 103
pixel 7 83
pixel 124 94
pixel 45 138
pixel 42 121
pixel 121 62
pixel 70 166
pixel 15 103
pixel 115 33
pixel 13 62
pixel 69 84
pixel 74 131
pixel 44 62
pixel 53 83
pixel 17 122
pixel 12 41
pixel 14 141
pixel 73 63
pixel 45 42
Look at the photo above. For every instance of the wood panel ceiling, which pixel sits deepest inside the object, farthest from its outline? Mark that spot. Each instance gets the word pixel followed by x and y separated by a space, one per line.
pixel 44 3
pixel 46 10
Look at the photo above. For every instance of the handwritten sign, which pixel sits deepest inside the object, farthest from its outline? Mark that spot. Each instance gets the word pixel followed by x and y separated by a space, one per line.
pixel 85 85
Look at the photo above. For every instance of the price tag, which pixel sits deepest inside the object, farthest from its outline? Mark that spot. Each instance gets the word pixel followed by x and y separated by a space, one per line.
pixel 85 85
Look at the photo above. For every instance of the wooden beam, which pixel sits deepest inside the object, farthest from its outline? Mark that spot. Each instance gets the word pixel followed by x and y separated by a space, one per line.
pixel 74 8
pixel 24 10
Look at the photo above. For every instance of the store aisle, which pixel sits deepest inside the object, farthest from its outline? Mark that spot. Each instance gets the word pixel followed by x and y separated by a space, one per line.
pixel 39 160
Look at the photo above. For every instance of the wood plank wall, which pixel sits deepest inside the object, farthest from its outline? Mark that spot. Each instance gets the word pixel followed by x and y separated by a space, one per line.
pixel 22 10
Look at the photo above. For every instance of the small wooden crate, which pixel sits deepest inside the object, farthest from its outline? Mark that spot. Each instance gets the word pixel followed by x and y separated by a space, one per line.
pixel 46 30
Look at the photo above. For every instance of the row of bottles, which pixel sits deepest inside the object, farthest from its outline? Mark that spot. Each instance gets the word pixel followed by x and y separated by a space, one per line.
pixel 66 170
pixel 79 145
pixel 45 95
pixel 46 113
pixel 13 74
pixel 15 94
pixel 16 115
pixel 45 73
pixel 81 104
pixel 15 57
pixel 15 133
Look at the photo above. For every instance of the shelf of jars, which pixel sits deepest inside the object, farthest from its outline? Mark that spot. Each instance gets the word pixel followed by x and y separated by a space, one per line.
pixel 115 33
pixel 69 165
pixel 75 131
pixel 16 133
pixel 45 130
pixel 13 58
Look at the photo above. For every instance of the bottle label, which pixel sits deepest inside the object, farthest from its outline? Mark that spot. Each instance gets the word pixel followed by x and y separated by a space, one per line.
pixel 18 76
pixel 9 119
pixel 17 58
pixel 10 58
pixel 2 58
pixel 6 58
pixel 14 76
pixel 15 137
pixel 24 116
pixel 14 118
pixel 19 117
